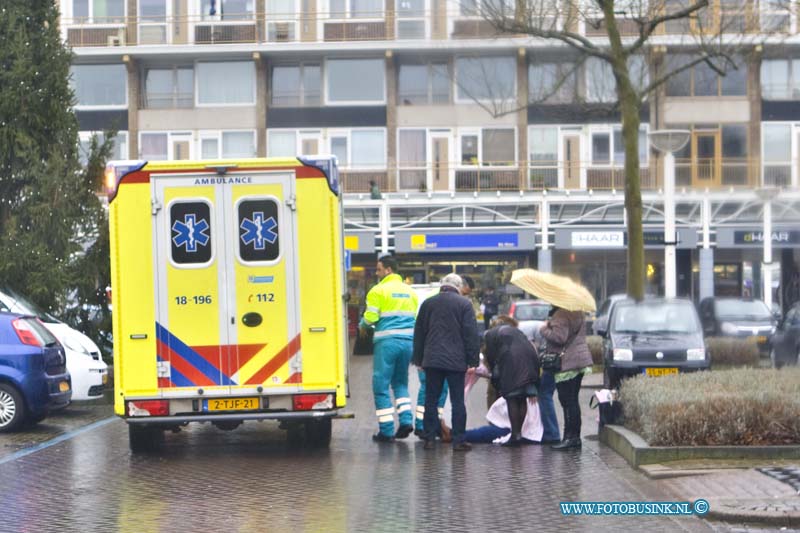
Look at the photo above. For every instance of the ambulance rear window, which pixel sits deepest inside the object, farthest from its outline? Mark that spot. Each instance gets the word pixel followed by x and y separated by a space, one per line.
pixel 258 230
pixel 191 232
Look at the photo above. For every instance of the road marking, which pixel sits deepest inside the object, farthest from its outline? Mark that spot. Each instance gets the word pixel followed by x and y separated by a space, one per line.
pixel 61 438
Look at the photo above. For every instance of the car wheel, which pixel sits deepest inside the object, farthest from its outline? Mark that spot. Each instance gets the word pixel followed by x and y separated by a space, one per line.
pixel 318 433
pixel 144 439
pixel 12 408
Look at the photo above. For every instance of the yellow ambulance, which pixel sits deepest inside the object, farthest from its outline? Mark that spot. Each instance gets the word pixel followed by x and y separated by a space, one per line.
pixel 228 295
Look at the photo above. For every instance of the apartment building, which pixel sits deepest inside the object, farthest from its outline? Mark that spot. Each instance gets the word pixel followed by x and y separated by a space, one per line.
pixel 492 152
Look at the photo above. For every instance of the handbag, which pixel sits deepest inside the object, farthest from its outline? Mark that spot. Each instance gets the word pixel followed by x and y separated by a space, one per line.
pixel 550 361
pixel 610 408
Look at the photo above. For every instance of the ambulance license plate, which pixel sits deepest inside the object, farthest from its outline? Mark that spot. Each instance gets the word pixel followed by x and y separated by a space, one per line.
pixel 660 371
pixel 230 404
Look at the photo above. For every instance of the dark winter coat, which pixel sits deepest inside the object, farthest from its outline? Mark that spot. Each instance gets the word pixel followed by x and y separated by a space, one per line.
pixel 562 326
pixel 491 303
pixel 446 333
pixel 512 358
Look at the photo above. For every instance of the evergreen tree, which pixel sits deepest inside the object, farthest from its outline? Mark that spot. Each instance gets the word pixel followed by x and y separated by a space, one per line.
pixel 52 223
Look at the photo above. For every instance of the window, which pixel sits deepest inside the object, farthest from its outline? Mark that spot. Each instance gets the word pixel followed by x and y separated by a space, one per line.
pixel 542 145
pixel 423 84
pixel 474 8
pixel 153 10
pixel 780 79
pixel 359 148
pixel 98 11
pixel 339 149
pixel 601 86
pixel 100 85
pixel 154 146
pixel 259 233
pixel 234 144
pixel 169 88
pixel 552 83
pixel 469 149
pixel 296 85
pixel 498 147
pixel 489 147
pixel 355 81
pixel 227 9
pixel 230 83
pixel 342 9
pixel 777 142
pixel 608 147
pixel 734 140
pixel 412 151
pixel 600 83
pixel 119 150
pixel 703 80
pixel 282 143
pixel 601 148
pixel 191 232
pixel 486 78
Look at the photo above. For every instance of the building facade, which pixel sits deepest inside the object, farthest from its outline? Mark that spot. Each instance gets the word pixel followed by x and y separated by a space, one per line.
pixel 491 152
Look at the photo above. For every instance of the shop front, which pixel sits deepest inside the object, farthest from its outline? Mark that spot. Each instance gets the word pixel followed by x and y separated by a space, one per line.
pixel 598 258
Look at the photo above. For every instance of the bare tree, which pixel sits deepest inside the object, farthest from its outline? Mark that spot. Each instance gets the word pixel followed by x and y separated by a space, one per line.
pixel 614 38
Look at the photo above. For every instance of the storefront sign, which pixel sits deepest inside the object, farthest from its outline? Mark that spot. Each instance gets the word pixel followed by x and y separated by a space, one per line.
pixel 754 237
pixel 567 239
pixel 598 239
pixel 359 242
pixel 757 237
pixel 464 241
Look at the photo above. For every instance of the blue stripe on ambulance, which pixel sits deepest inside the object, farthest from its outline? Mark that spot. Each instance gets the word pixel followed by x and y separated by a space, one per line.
pixel 190 356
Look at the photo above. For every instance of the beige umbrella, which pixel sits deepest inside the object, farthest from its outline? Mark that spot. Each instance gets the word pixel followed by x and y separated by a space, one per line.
pixel 557 290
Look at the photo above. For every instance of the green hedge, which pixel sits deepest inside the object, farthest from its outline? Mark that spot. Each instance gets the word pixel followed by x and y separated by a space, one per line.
pixel 732 351
pixel 742 406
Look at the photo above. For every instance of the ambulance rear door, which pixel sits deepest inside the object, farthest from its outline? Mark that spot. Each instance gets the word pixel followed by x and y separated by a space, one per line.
pixel 226 286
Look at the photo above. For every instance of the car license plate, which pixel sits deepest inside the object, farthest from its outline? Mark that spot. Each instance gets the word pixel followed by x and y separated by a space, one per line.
pixel 63 386
pixel 230 404
pixel 660 371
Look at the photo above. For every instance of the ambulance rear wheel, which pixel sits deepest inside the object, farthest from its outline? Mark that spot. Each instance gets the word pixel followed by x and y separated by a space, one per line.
pixel 318 433
pixel 144 439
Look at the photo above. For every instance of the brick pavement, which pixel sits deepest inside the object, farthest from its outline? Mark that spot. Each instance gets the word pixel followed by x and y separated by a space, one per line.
pixel 249 480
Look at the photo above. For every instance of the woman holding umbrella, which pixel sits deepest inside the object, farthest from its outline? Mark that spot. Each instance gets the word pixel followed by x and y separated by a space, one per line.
pixel 564 333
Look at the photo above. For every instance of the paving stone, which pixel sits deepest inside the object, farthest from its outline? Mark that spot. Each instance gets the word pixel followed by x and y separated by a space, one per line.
pixel 249 480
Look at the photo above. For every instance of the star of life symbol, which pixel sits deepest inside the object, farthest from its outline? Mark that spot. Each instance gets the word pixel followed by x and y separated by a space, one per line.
pixel 190 232
pixel 259 230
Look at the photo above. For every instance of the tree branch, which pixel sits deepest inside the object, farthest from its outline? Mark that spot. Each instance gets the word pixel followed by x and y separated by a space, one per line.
pixel 646 28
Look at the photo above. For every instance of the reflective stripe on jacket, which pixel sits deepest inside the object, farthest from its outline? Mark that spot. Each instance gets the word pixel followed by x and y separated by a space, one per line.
pixel 391 308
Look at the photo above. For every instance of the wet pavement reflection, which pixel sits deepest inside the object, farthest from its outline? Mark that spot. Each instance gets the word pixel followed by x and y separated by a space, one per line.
pixel 204 479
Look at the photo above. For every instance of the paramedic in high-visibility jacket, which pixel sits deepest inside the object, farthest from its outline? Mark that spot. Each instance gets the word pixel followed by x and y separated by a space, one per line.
pixel 391 310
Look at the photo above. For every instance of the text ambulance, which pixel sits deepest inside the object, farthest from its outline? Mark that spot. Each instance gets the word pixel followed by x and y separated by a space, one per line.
pixel 228 284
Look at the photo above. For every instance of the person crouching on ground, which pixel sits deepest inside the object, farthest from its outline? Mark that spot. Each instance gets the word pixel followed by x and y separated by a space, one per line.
pixel 445 345
pixel 515 371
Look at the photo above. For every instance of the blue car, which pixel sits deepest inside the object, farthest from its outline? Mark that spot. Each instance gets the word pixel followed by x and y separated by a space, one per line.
pixel 33 372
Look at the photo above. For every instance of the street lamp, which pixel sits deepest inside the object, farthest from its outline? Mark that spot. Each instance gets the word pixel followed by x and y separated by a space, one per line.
pixel 767 194
pixel 667 142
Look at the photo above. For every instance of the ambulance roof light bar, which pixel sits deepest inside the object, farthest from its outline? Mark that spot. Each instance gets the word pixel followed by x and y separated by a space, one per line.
pixel 221 170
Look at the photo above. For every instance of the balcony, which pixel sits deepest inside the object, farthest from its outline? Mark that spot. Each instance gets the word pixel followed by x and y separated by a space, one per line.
pixel 389 25
pixel 737 173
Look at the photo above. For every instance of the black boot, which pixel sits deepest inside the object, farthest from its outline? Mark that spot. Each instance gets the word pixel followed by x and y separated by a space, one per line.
pixel 567 444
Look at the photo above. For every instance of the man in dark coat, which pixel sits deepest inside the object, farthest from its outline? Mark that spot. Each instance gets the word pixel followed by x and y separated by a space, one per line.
pixel 445 345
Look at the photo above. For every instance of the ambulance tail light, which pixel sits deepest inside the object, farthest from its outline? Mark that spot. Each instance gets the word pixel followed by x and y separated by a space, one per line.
pixel 307 402
pixel 148 408
pixel 114 173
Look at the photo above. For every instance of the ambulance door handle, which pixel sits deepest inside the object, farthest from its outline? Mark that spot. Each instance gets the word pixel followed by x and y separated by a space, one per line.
pixel 252 319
